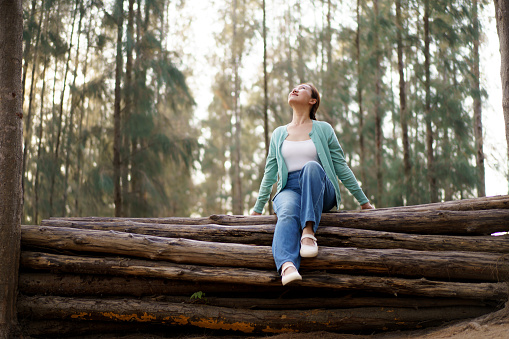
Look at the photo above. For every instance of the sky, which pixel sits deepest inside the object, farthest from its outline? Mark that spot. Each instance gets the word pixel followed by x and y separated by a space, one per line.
pixel 200 46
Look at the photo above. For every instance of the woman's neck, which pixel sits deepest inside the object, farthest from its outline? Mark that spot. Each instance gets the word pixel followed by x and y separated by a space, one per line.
pixel 300 117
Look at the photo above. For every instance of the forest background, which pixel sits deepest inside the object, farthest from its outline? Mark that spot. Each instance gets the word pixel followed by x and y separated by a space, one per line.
pixel 164 108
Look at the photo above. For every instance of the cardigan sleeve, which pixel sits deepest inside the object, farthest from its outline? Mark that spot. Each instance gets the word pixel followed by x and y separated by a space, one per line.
pixel 342 169
pixel 269 178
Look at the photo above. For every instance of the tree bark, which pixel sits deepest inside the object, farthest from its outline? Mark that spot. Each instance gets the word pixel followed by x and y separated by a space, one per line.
pixel 502 15
pixel 331 236
pixel 81 140
pixel 485 203
pixel 479 156
pixel 222 279
pixel 248 321
pixel 71 328
pixel 63 284
pixel 432 180
pixel 39 144
pixel 378 110
pixel 11 162
pixel 60 127
pixel 35 62
pixel 265 95
pixel 407 167
pixel 362 151
pixel 440 265
pixel 241 295
pixel 117 194
pixel 237 41
pixel 74 102
pixel 480 222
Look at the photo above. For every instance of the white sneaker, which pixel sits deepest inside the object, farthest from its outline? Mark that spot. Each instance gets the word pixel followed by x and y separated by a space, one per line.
pixel 308 251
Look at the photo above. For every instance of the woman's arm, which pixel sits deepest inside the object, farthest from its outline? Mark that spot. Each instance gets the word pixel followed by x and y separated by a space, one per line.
pixel 344 172
pixel 269 178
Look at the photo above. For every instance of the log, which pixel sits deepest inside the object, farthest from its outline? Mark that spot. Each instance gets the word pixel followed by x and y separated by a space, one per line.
pixel 145 268
pixel 327 236
pixel 483 203
pixel 136 285
pixel 392 262
pixel 73 328
pixel 478 222
pixel 247 321
pixel 222 295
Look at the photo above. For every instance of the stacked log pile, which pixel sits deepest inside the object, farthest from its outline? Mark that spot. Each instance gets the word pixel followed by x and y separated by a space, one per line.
pixel 388 269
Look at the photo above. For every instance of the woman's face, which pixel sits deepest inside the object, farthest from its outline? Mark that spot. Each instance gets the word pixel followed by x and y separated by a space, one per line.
pixel 301 95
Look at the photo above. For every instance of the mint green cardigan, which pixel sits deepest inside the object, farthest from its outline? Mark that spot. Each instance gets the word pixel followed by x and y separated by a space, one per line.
pixel 330 155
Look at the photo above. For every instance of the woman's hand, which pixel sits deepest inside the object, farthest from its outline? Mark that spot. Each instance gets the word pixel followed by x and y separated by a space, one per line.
pixel 255 213
pixel 367 206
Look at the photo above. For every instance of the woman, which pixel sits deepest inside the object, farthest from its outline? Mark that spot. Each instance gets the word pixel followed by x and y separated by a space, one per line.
pixel 306 157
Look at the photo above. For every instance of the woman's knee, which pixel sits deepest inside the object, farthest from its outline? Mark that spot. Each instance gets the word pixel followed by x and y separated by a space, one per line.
pixel 312 168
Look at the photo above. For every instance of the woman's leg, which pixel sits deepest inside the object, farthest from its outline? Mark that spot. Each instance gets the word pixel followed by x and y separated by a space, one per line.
pixel 285 244
pixel 317 196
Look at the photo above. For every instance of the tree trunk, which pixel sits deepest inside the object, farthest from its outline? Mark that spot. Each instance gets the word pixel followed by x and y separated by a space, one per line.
pixel 407 167
pixel 440 265
pixel 74 103
pixel 237 41
pixel 117 194
pixel 429 121
pixel 11 162
pixel 229 278
pixel 129 94
pixel 39 144
pixel 300 46
pixel 482 222
pixel 81 141
pixel 60 116
pixel 28 47
pixel 28 123
pixel 481 185
pixel 265 93
pixel 502 18
pixel 96 329
pixel 248 321
pixel 254 297
pixel 327 110
pixel 362 150
pixel 378 110
pixel 326 235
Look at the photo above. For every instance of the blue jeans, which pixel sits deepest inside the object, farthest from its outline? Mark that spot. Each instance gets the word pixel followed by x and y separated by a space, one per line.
pixel 307 194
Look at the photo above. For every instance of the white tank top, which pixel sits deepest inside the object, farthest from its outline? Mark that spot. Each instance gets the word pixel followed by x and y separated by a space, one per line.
pixel 298 153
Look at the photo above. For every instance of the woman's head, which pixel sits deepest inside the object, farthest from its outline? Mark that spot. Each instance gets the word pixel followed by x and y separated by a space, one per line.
pixel 305 94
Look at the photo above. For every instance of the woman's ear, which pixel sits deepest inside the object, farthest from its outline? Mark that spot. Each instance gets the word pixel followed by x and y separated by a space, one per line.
pixel 312 101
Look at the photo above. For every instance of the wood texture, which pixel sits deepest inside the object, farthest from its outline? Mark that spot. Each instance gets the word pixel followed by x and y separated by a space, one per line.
pixel 326 235
pixel 230 295
pixel 387 269
pixel 391 262
pixel 266 278
pixel 476 222
pixel 247 321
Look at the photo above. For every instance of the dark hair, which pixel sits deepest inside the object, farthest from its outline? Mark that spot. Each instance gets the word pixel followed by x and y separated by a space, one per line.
pixel 314 95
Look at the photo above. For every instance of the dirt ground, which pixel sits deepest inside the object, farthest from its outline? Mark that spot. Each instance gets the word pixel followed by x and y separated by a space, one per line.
pixel 493 326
